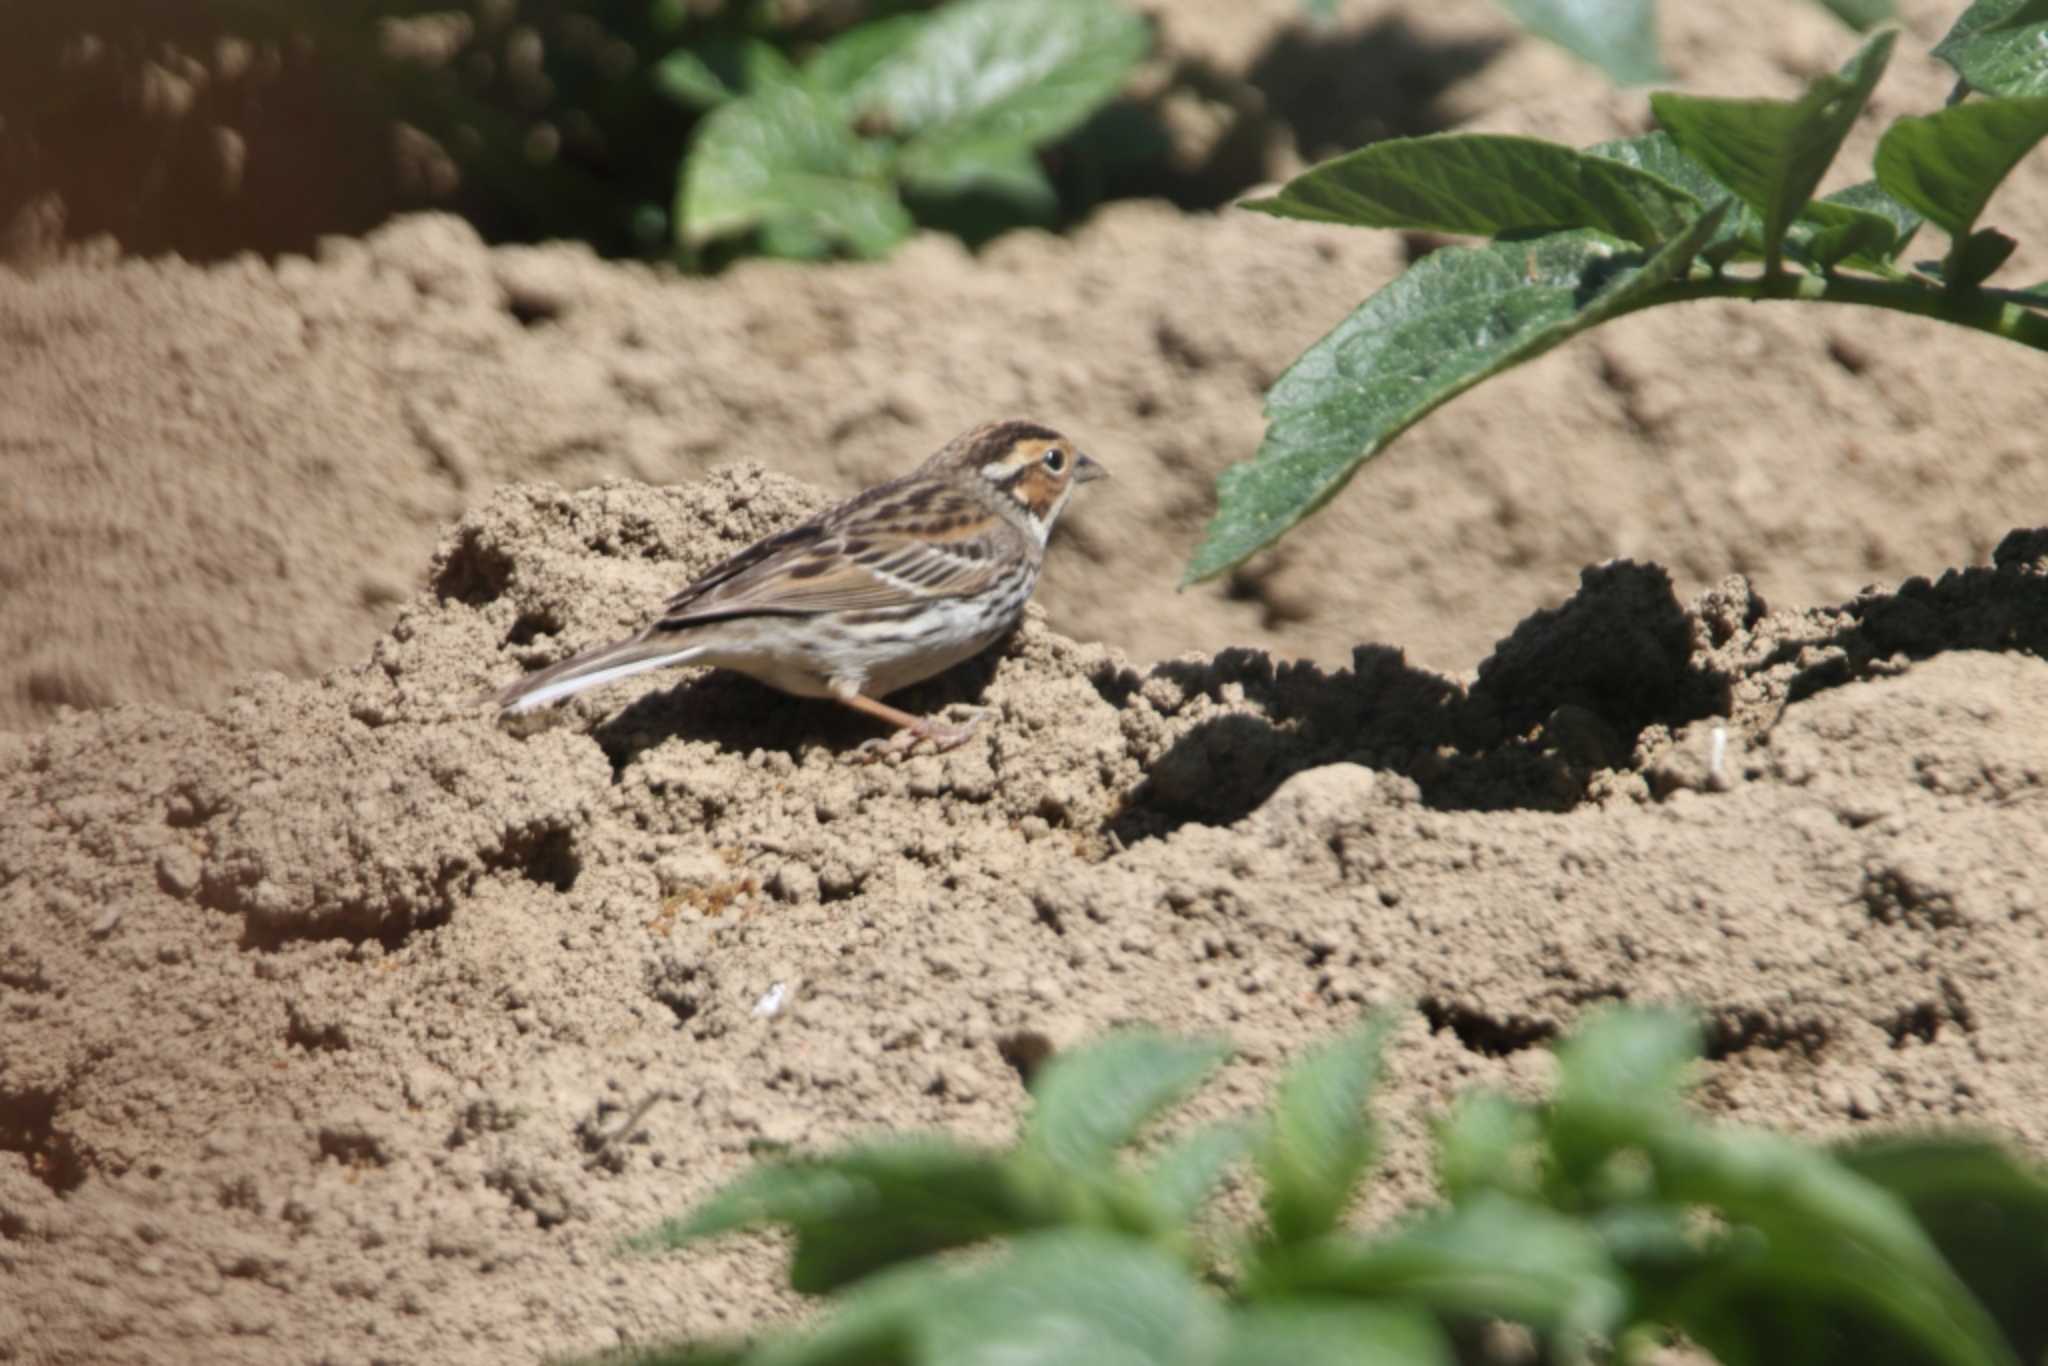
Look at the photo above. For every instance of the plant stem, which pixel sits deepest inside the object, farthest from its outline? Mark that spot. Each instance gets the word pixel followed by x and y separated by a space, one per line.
pixel 1979 310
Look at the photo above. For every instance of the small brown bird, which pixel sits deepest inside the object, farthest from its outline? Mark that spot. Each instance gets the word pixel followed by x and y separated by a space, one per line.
pixel 885 590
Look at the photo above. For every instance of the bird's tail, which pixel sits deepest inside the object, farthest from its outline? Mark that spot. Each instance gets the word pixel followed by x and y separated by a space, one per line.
pixel 592 669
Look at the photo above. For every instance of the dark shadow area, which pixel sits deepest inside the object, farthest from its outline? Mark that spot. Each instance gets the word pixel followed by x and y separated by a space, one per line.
pixel 173 131
pixel 1487 1035
pixel 1729 1031
pixel 29 1129
pixel 2002 607
pixel 1561 699
pixel 1312 91
pixel 1339 90
pixel 740 715
pixel 1565 697
pixel 471 571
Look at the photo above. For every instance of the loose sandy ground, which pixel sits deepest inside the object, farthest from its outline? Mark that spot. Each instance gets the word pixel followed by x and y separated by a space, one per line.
pixel 322 989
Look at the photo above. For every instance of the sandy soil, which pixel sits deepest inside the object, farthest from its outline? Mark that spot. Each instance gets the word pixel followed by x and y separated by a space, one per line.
pixel 323 990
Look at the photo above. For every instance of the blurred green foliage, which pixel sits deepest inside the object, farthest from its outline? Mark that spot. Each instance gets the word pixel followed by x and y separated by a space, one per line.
pixel 712 128
pixel 1607 1222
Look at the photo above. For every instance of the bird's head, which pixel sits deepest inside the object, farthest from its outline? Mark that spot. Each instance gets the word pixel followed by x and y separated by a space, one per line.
pixel 1030 468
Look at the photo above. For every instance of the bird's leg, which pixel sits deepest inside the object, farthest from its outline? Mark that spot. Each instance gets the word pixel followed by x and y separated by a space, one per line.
pixel 909 729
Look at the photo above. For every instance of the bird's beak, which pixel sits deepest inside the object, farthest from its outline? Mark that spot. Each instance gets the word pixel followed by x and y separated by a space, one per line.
pixel 1085 469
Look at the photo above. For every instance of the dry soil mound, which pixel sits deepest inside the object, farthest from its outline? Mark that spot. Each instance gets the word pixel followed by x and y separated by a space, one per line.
pixel 323 1002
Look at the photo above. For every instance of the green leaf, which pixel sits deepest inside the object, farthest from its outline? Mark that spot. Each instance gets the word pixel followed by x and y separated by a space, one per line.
pixel 1741 231
pixel 1973 260
pixel 1489 1256
pixel 1002 169
pixel 1773 153
pixel 1182 1177
pixel 1089 1102
pixel 711 73
pixel 1489 1143
pixel 1621 1080
pixel 1828 1238
pixel 688 77
pixel 987 74
pixel 1322 1139
pixel 1308 1333
pixel 1868 197
pixel 1062 1295
pixel 866 1208
pixel 1828 233
pixel 2000 47
pixel 1618 36
pixel 1795 1299
pixel 1945 165
pixel 1073 1295
pixel 781 156
pixel 842 66
pixel 1455 318
pixel 1986 1211
pixel 1487 184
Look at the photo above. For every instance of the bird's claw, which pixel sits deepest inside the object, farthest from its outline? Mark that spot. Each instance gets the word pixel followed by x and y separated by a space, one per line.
pixel 943 737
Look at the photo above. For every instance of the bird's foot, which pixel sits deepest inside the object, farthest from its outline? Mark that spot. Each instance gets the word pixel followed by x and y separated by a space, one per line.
pixel 943 736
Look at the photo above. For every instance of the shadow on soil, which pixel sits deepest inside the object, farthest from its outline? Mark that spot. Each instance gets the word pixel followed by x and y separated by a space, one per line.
pixel 1563 698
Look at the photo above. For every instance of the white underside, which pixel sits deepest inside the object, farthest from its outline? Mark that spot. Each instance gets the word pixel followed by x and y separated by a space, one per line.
pixel 569 687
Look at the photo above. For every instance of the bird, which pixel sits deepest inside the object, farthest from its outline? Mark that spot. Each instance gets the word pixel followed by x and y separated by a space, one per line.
pixel 886 589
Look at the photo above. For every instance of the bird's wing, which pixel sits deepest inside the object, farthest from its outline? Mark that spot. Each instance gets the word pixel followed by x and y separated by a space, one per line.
pixel 885 549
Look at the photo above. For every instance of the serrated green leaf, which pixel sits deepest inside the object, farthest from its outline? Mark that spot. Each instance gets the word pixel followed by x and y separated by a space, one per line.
pixel 866 1208
pixel 1490 1256
pixel 1487 184
pixel 1947 164
pixel 1091 1101
pixel 2000 47
pixel 1828 233
pixel 1455 318
pixel 1182 1176
pixel 1831 1244
pixel 1869 197
pixel 1322 1139
pixel 1489 1143
pixel 986 74
pixel 1741 231
pixel 1074 1295
pixel 781 155
pixel 1985 1210
pixel 1309 1333
pixel 1618 36
pixel 1773 153
pixel 1862 15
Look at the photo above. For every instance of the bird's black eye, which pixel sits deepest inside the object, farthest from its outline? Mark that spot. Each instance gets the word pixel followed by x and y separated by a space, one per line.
pixel 1055 459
